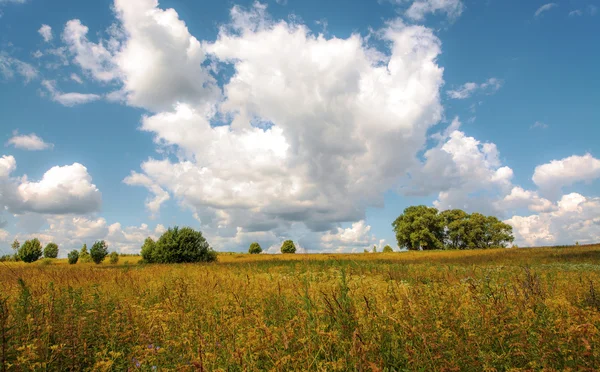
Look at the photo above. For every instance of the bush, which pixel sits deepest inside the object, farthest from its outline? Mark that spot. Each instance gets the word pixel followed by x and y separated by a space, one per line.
pixel 254 248
pixel 73 257
pixel 113 257
pixel 99 251
pixel 30 251
pixel 84 255
pixel 178 246
pixel 148 250
pixel 51 250
pixel 387 249
pixel 46 261
pixel 288 247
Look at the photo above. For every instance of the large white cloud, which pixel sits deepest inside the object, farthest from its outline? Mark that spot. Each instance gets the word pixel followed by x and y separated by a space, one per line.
pixel 553 176
pixel 62 190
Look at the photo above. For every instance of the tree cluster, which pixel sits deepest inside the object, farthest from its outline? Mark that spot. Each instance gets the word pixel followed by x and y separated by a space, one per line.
pixel 425 228
pixel 178 246
pixel 32 251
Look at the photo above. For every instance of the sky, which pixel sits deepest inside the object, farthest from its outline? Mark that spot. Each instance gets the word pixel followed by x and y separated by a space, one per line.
pixel 306 120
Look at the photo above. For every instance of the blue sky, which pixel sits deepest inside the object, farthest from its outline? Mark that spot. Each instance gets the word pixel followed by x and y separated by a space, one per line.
pixel 310 120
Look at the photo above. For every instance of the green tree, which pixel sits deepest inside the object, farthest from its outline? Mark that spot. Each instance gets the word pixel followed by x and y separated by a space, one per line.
pixel 15 246
pixel 456 223
pixel 182 245
pixel 73 257
pixel 113 258
pixel 387 249
pixel 51 250
pixel 499 234
pixel 374 250
pixel 419 227
pixel 254 248
pixel 84 255
pixel 148 250
pixel 30 251
pixel 99 251
pixel 288 247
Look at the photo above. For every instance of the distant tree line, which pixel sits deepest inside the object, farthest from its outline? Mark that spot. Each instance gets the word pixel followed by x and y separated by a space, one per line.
pixel 32 251
pixel 425 228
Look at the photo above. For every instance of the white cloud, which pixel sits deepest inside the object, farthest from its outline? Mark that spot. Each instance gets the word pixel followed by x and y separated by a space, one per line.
pixel 46 32
pixel 351 239
pixel 29 142
pixel 490 86
pixel 545 8
pixel 521 198
pixel 574 218
pixel 10 66
pixel 539 124
pixel 7 165
pixel 553 176
pixel 68 99
pixel 420 8
pixel 576 12
pixel 76 78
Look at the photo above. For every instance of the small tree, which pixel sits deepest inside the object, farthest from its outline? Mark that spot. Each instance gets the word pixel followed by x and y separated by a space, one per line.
pixel 51 250
pixel 31 250
pixel 387 249
pixel 84 255
pixel 374 249
pixel 99 251
pixel 148 250
pixel 113 258
pixel 15 246
pixel 288 247
pixel 73 257
pixel 254 248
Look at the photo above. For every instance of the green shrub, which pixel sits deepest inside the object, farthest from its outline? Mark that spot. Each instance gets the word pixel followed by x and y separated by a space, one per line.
pixel 178 246
pixel 46 261
pixel 288 247
pixel 51 250
pixel 84 255
pixel 254 248
pixel 73 257
pixel 99 251
pixel 387 249
pixel 113 258
pixel 30 251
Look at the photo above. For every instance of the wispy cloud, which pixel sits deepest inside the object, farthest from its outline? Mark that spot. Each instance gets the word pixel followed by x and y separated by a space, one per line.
pixel 545 8
pixel 539 124
pixel 490 86
pixel 29 142
pixel 68 99
pixel 10 66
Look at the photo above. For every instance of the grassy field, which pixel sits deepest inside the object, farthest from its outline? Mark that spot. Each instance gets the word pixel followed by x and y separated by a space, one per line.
pixel 496 310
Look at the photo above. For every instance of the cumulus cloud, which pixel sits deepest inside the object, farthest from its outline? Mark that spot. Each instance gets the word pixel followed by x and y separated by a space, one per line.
pixel 544 8
pixel 68 99
pixel 420 8
pixel 351 239
pixel 46 32
pixel 29 142
pixel 62 190
pixel 490 86
pixel 553 176
pixel 9 67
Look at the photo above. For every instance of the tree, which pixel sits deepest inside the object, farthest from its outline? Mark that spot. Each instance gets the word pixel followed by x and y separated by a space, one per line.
pixel 30 251
pixel 113 258
pixel 456 223
pixel 419 227
pixel 15 246
pixel 148 250
pixel 84 255
pixel 254 248
pixel 99 251
pixel 288 247
pixel 73 257
pixel 387 249
pixel 374 249
pixel 51 250
pixel 179 246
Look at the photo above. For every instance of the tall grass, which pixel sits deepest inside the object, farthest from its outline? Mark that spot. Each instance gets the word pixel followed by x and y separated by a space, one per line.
pixel 432 311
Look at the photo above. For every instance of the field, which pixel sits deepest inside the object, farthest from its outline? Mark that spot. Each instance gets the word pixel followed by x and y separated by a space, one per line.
pixel 493 310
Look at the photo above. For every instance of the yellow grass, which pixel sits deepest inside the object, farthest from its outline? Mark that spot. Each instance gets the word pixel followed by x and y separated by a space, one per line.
pixel 519 309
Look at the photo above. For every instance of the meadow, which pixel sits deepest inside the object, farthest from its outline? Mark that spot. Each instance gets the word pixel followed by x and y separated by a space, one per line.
pixel 482 310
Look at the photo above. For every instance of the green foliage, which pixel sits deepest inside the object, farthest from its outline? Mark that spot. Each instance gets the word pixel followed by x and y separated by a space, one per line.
pixel 374 249
pixel 178 246
pixel 99 251
pixel 15 245
pixel 73 257
pixel 113 258
pixel 254 248
pixel 387 249
pixel 30 251
pixel 84 255
pixel 424 228
pixel 45 261
pixel 288 247
pixel 148 250
pixel 51 250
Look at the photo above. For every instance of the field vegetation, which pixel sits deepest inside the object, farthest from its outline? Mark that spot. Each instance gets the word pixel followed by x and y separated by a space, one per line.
pixel 472 310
